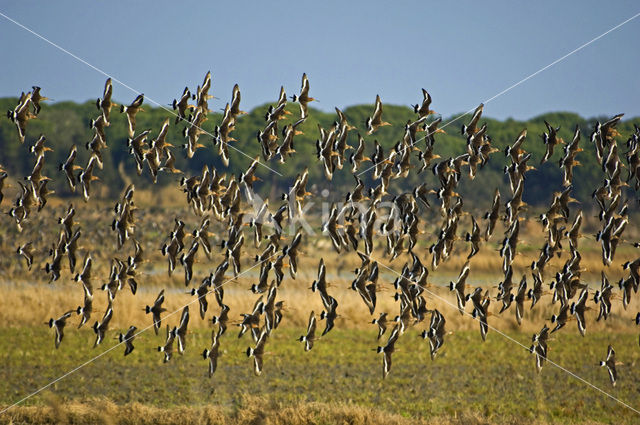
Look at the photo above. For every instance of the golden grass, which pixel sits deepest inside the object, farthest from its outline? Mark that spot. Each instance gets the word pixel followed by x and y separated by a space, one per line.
pixel 29 300
pixel 33 305
pixel 249 411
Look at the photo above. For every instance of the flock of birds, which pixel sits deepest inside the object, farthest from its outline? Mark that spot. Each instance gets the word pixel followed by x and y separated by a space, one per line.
pixel 215 196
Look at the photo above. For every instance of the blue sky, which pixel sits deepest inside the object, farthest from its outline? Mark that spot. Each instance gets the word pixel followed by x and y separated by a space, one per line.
pixel 351 51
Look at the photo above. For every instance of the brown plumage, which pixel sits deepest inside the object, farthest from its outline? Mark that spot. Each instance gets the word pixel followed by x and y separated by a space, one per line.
pixel 105 103
pixel 375 120
pixel 131 112
pixel 303 99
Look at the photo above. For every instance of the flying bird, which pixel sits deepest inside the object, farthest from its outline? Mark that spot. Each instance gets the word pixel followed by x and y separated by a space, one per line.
pixel 303 99
pixel 131 112
pixel 105 103
pixel 155 310
pixel 212 353
pixel 258 352
pixel 310 337
pixel 375 120
pixel 127 338
pixel 388 349
pixel 610 364
pixel 59 324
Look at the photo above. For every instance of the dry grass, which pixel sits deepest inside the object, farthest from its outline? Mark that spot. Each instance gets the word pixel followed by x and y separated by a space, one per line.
pixel 33 305
pixel 249 411
pixel 28 302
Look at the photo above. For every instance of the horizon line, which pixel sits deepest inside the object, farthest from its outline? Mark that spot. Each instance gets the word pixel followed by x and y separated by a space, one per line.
pixel 344 108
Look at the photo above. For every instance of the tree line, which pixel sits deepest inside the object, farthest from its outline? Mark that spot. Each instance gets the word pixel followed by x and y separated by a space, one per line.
pixel 67 123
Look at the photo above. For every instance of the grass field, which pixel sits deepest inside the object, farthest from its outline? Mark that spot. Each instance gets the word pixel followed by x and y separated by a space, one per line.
pixel 494 381
pixel 339 381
